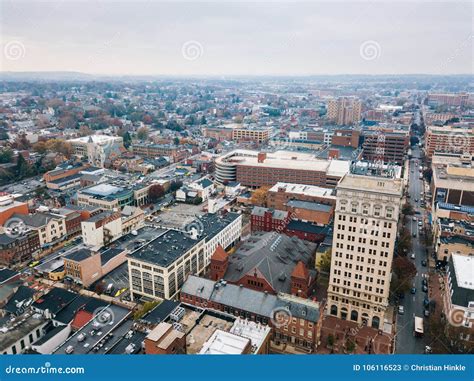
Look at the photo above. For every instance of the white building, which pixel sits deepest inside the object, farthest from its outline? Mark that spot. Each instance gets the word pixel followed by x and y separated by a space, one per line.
pixel 365 229
pixel 97 148
pixel 101 229
pixel 159 269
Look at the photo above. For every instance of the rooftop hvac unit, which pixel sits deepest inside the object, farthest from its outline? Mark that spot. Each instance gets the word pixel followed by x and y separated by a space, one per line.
pixel 177 314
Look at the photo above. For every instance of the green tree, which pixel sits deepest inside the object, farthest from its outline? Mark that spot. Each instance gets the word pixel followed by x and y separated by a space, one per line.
pixel 6 155
pixel 22 169
pixel 325 262
pixel 176 141
pixel 127 140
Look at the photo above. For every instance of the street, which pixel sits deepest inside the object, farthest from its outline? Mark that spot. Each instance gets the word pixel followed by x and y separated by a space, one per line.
pixel 406 342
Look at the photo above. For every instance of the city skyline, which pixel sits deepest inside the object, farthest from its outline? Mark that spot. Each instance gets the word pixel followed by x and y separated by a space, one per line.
pixel 248 39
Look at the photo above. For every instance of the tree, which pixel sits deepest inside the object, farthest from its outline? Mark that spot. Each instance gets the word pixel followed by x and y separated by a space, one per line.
pixel 428 174
pixel 259 196
pixel 85 131
pixel 403 242
pixel 197 201
pixel 176 141
pixel 350 346
pixel 325 262
pixel 155 192
pixel 330 340
pixel 403 270
pixel 175 185
pixel 6 155
pixel 407 209
pixel 142 133
pixel 40 147
pixel 127 140
pixel 22 168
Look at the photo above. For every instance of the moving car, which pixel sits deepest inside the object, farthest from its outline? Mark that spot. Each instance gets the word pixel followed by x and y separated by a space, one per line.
pixel 412 256
pixel 401 310
pixel 423 263
pixel 413 290
pixel 414 218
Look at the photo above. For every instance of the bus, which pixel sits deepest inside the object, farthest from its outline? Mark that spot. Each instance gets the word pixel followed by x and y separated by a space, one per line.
pixel 418 332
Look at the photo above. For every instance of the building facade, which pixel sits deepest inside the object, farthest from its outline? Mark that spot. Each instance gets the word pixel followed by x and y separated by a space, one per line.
pixel 365 230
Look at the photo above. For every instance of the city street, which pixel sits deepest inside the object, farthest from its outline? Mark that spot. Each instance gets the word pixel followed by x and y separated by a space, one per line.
pixel 406 342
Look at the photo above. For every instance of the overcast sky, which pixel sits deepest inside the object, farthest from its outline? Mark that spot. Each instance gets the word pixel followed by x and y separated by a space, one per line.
pixel 224 38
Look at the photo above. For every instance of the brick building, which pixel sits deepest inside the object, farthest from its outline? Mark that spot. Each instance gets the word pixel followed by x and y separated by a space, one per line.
pixel 264 262
pixel 15 250
pixel 295 322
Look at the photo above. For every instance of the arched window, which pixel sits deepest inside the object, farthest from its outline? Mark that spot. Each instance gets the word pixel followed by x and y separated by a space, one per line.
pixel 354 315
pixel 334 310
pixel 375 322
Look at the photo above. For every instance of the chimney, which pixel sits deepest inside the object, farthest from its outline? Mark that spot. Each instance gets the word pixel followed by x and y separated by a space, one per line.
pixel 261 157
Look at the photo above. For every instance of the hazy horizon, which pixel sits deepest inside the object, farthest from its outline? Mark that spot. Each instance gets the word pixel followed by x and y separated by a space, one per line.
pixel 117 38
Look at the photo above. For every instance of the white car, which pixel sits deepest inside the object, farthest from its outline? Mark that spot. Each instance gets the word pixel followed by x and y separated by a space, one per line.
pixel 412 256
pixel 414 218
pixel 401 310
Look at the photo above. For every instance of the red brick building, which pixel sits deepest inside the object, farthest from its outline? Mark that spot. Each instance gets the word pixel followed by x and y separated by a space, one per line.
pixel 15 250
pixel 269 263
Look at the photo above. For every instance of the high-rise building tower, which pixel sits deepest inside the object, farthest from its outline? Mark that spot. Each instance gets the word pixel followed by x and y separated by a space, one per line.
pixel 344 111
pixel 365 229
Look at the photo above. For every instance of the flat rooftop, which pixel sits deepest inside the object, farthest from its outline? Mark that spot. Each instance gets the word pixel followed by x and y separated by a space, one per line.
pixel 287 160
pixel 307 190
pixel 165 249
pixel 224 343
pixel 464 268
pixel 204 329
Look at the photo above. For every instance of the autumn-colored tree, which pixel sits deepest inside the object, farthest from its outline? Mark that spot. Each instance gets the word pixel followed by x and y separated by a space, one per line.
pixel 155 192
pixel 85 131
pixel 142 133
pixel 259 196
pixel 40 147
pixel 403 272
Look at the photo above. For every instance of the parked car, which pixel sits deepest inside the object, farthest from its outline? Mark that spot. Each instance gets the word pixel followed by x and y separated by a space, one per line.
pixel 425 288
pixel 414 218
pixel 401 310
pixel 412 256
pixel 413 290
pixel 426 313
pixel 424 282
pixel 426 302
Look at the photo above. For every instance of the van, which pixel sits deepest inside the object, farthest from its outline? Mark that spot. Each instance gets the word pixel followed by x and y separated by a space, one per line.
pixel 69 349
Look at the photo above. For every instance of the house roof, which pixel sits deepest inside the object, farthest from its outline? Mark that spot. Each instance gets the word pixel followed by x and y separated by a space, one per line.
pixel 55 300
pixel 300 271
pixel 219 254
